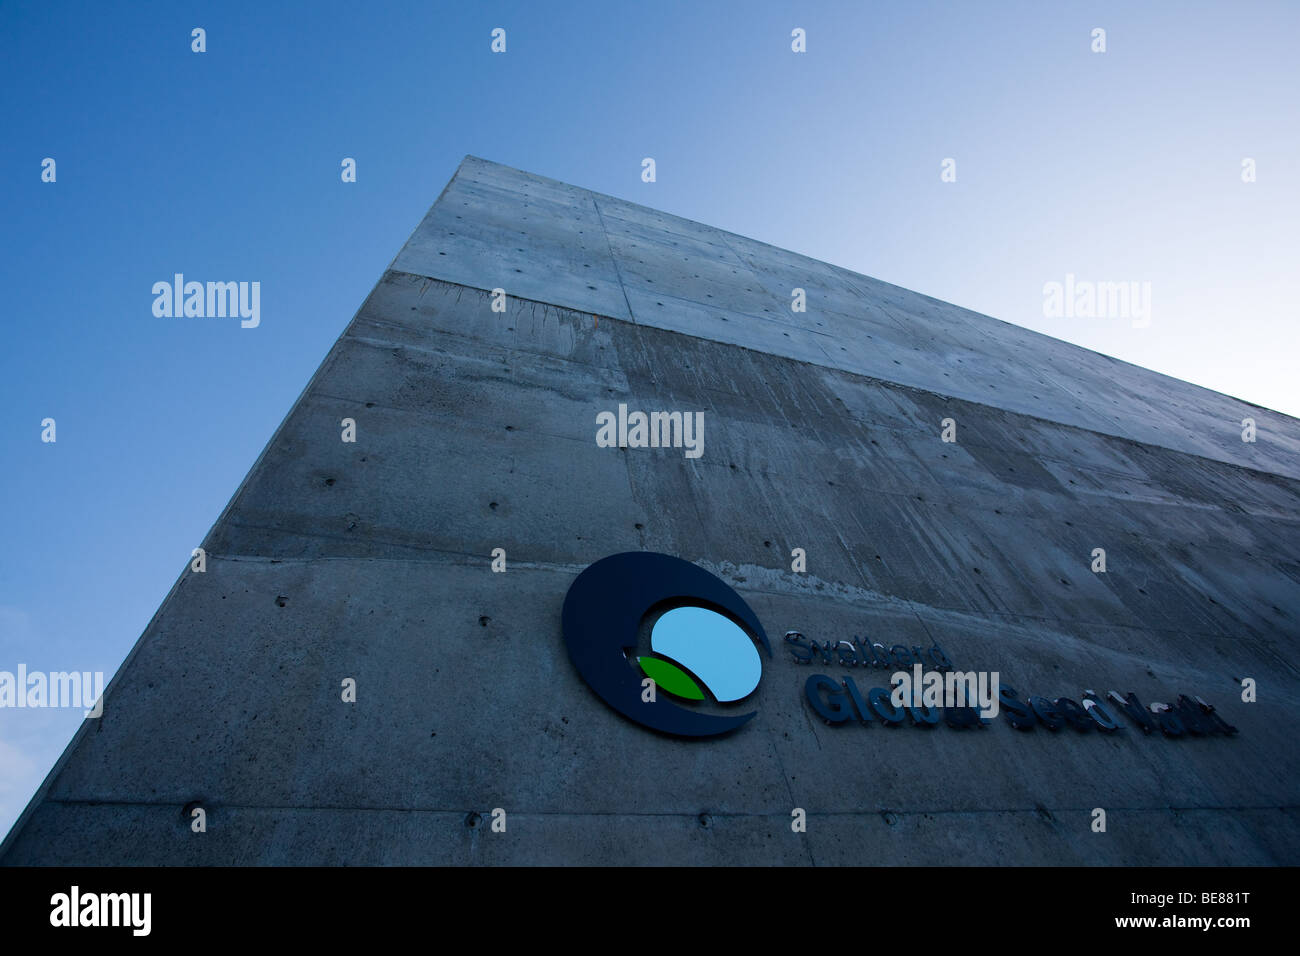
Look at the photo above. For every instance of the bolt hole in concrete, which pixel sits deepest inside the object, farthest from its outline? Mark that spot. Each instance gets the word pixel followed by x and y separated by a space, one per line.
pixel 492 505
pixel 706 821
pixel 639 526
pixel 187 811
pixel 888 817
pixel 329 482
pixel 472 820
pixel 483 620
pixel 281 601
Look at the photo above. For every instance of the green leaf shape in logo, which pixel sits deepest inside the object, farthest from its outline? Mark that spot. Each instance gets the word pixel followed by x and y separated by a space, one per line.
pixel 671 678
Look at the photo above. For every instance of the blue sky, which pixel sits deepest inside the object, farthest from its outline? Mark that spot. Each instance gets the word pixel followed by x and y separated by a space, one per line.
pixel 1118 166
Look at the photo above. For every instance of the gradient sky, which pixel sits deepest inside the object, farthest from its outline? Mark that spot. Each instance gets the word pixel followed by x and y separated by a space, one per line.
pixel 225 165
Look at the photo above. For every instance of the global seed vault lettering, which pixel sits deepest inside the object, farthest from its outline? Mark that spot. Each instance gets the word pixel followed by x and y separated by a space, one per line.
pixel 703 650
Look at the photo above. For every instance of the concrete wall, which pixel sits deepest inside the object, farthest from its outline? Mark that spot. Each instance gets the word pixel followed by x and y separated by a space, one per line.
pixel 476 430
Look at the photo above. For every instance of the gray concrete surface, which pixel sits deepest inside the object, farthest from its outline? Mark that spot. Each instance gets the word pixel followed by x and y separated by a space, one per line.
pixel 476 430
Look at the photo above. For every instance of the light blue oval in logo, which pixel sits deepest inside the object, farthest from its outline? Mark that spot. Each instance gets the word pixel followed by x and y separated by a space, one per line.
pixel 712 647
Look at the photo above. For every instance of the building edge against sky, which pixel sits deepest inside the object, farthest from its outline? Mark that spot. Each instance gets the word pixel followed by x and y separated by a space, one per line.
pixel 475 431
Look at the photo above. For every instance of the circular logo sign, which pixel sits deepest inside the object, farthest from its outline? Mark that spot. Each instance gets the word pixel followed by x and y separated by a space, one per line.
pixel 703 642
